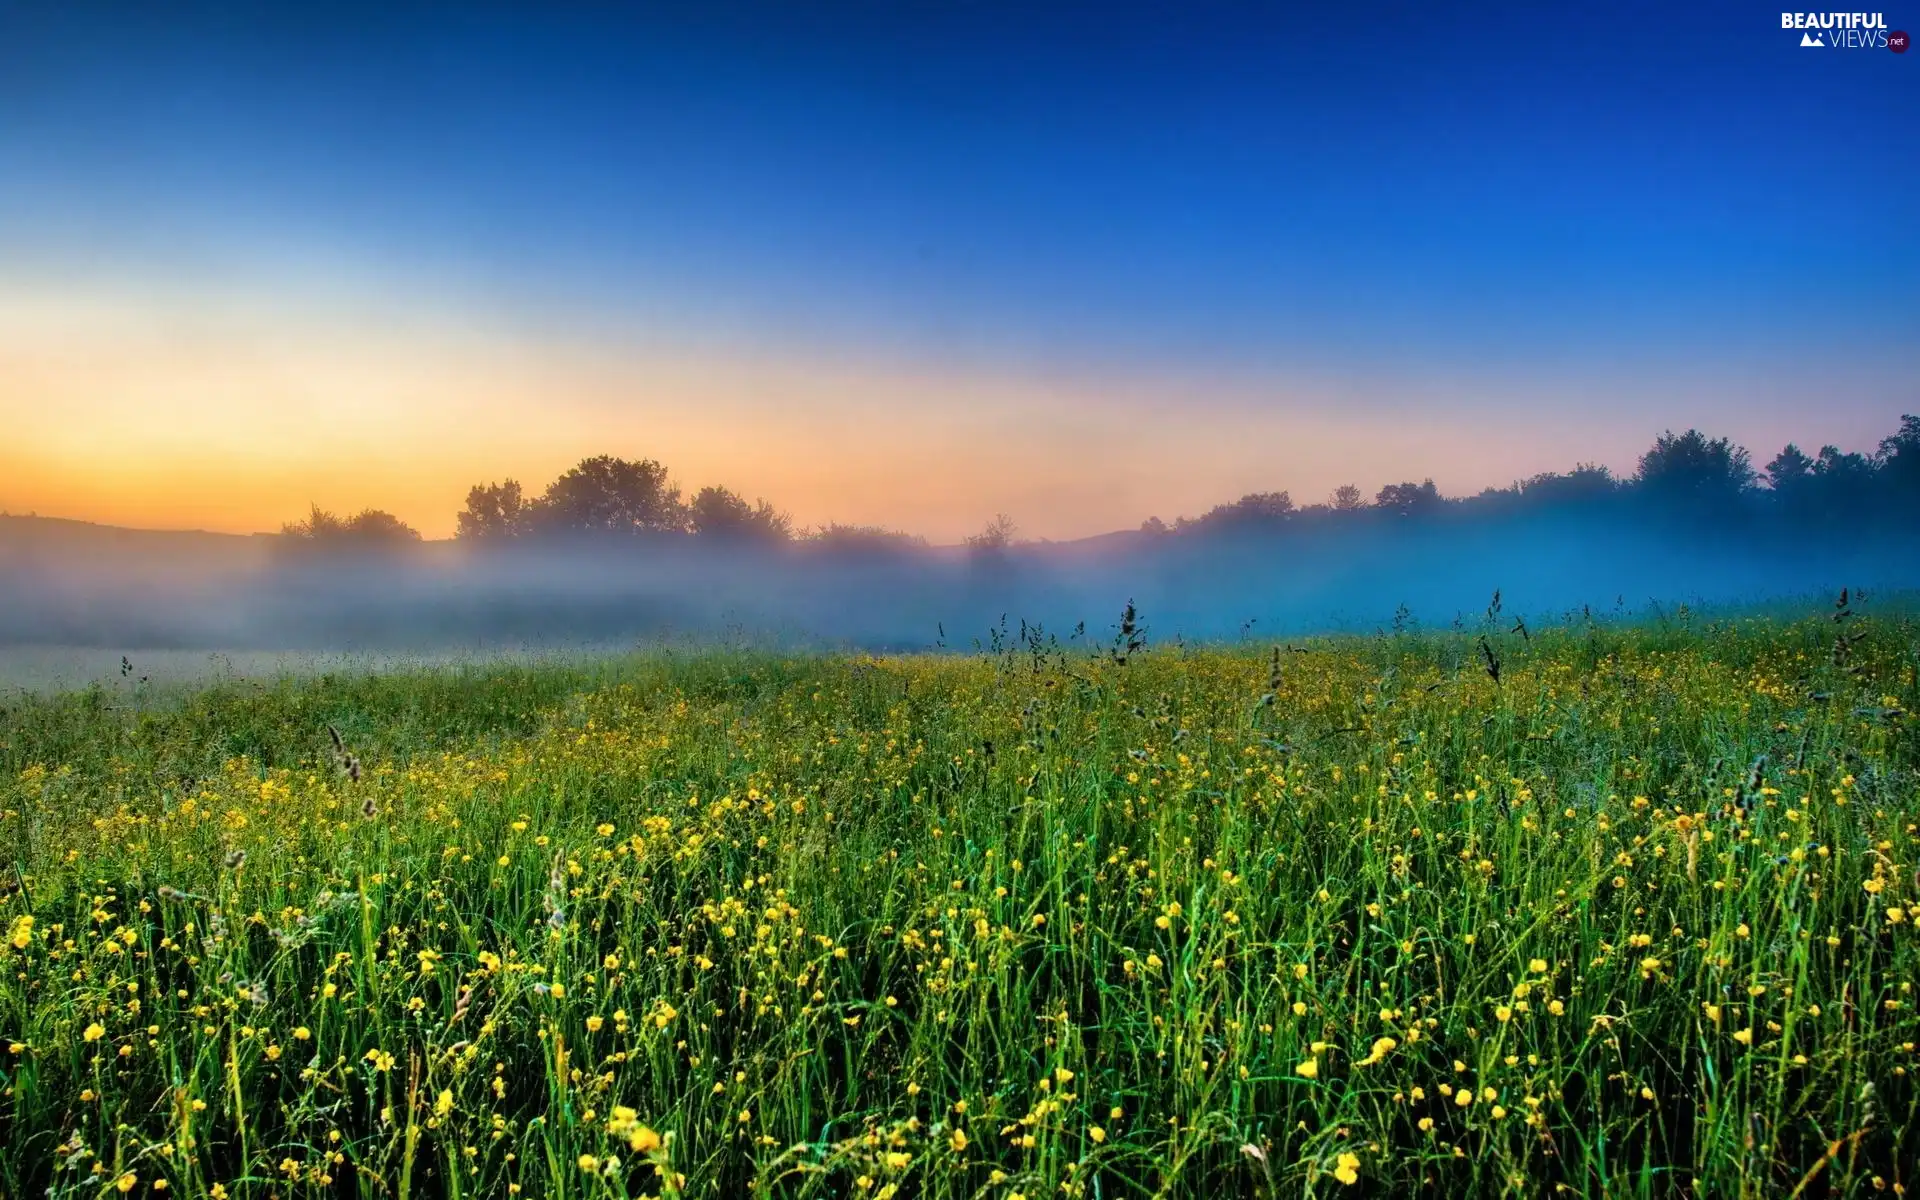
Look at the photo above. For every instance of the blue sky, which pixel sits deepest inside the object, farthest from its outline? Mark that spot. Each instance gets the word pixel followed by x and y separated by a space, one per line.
pixel 933 230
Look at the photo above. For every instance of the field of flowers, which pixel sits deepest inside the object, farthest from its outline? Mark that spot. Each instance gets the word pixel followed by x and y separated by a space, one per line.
pixel 1596 910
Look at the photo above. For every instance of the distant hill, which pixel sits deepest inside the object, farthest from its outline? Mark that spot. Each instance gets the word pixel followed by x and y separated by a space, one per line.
pixel 60 534
pixel 29 543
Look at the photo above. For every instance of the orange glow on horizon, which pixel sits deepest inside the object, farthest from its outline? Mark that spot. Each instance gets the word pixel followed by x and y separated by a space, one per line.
pixel 154 408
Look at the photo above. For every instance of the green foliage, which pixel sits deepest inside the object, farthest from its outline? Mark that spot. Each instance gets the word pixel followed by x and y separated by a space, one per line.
pixel 1632 918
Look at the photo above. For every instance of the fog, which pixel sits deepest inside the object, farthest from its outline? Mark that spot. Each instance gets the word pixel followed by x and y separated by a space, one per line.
pixel 1357 575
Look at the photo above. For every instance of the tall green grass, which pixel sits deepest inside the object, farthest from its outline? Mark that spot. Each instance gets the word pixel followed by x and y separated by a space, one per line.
pixel 1633 919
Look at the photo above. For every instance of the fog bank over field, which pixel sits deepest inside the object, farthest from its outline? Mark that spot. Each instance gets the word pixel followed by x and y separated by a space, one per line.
pixel 223 594
pixel 611 554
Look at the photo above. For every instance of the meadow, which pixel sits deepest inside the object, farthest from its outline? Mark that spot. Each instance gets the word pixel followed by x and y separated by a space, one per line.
pixel 1606 909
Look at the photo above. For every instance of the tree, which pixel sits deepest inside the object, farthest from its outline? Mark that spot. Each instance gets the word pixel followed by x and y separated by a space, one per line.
pixel 1408 499
pixel 1587 483
pixel 612 495
pixel 1836 467
pixel 1692 465
pixel 1347 498
pixel 368 531
pixel 1789 470
pixel 1842 482
pixel 995 538
pixel 494 512
pixel 372 527
pixel 320 526
pixel 1824 488
pixel 1254 508
pixel 1153 527
pixel 717 513
pixel 862 541
pixel 1898 458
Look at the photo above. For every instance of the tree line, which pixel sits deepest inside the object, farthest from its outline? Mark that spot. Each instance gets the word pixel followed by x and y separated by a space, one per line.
pixel 599 498
pixel 1684 475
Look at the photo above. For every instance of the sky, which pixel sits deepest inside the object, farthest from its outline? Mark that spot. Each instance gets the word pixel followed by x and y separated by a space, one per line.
pixel 918 264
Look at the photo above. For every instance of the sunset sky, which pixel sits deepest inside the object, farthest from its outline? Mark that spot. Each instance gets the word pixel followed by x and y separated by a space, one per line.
pixel 916 264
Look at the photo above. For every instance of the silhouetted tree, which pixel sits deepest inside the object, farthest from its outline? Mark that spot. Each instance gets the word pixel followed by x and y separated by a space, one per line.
pixel 320 526
pixel 1822 488
pixel 494 512
pixel 1841 482
pixel 374 527
pixel 1252 509
pixel 1692 465
pixel 611 495
pixel 1789 470
pixel 1347 498
pixel 1154 526
pixel 1408 499
pixel 995 538
pixel 369 531
pixel 1898 459
pixel 862 541
pixel 716 512
pixel 1848 472
pixel 1586 484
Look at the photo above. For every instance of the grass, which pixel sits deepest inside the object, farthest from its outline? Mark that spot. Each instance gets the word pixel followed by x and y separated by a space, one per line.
pixel 1632 919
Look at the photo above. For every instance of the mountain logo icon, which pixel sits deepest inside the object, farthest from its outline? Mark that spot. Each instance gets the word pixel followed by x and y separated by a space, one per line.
pixel 1808 39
